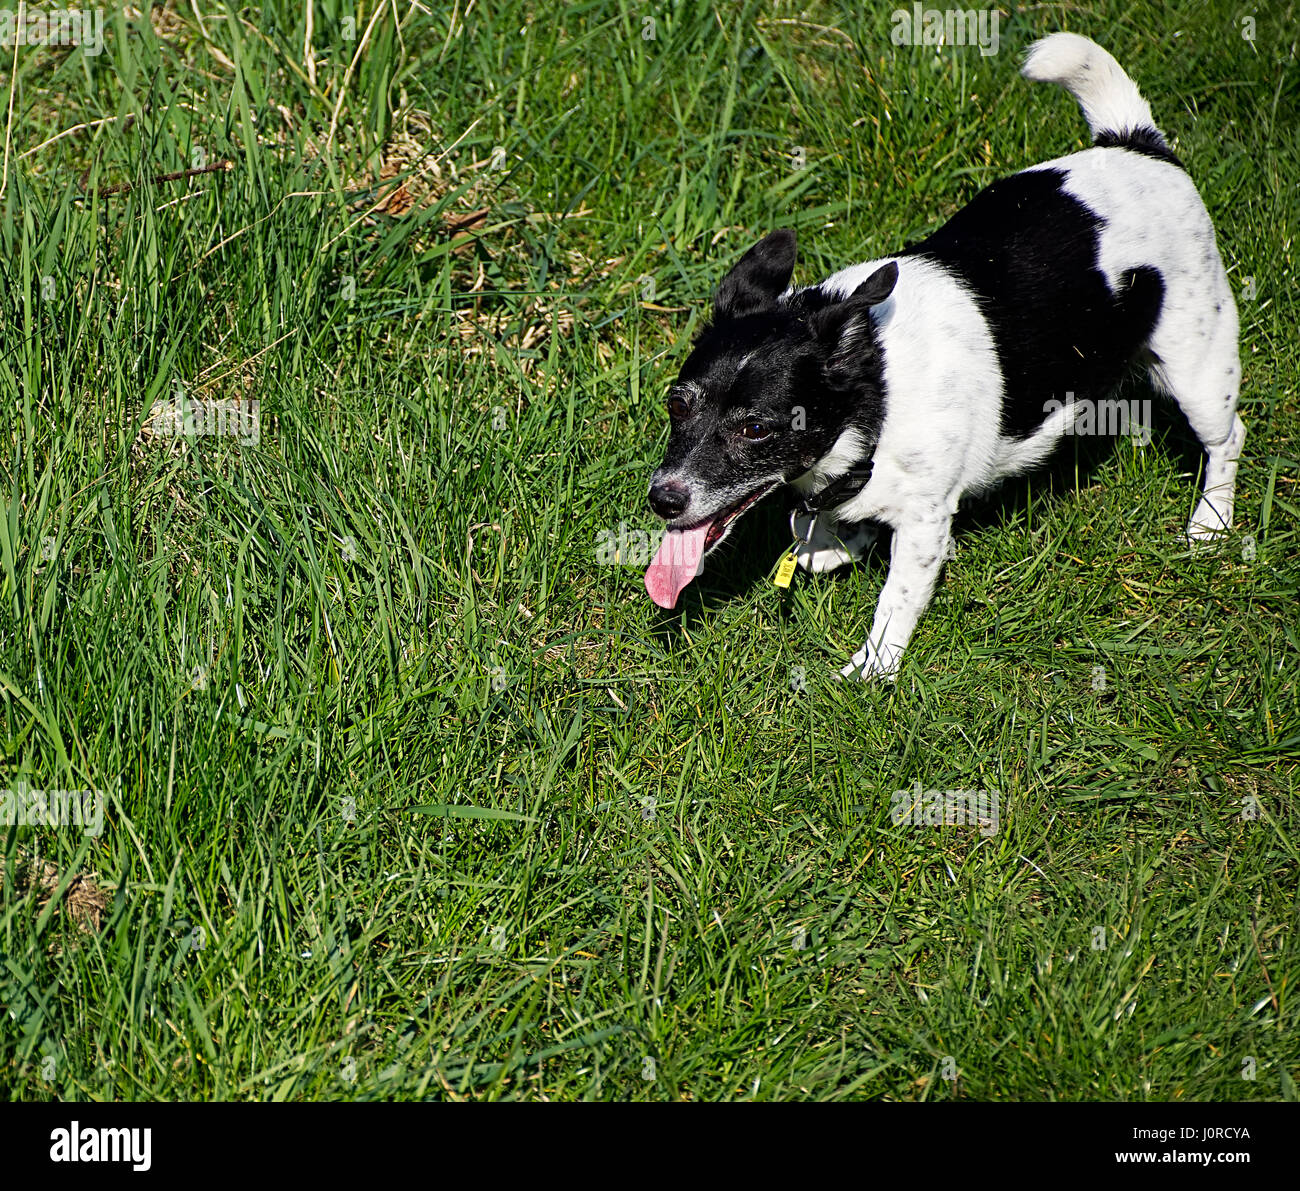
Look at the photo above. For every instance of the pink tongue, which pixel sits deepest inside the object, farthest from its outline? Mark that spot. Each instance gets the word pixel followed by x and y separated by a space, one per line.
pixel 679 559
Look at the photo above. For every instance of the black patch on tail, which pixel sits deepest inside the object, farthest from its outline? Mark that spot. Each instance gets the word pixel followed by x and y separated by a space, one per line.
pixel 1146 141
pixel 1029 251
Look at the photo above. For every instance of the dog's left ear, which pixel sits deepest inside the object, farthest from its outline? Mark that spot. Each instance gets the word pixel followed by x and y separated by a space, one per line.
pixel 756 280
pixel 878 286
pixel 845 328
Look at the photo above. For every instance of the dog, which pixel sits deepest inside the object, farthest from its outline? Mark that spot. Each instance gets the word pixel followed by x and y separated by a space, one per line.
pixel 896 387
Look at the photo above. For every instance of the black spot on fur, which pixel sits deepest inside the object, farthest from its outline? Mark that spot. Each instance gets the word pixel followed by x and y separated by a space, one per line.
pixel 1029 252
pixel 1147 141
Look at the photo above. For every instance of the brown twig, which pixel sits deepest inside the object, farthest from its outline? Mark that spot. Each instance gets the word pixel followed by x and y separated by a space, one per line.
pixel 122 187
pixel 465 220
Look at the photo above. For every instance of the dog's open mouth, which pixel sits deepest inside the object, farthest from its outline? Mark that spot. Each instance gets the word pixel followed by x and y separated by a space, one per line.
pixel 680 556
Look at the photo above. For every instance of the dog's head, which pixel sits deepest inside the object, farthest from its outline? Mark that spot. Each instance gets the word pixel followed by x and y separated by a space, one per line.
pixel 768 389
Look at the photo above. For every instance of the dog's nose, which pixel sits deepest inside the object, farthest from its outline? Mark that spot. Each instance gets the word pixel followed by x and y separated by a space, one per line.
pixel 668 499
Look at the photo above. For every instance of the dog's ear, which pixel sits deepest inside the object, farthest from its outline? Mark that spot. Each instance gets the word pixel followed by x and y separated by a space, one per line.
pixel 845 327
pixel 878 286
pixel 760 277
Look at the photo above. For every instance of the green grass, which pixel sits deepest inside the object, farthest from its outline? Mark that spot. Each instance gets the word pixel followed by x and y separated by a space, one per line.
pixel 406 794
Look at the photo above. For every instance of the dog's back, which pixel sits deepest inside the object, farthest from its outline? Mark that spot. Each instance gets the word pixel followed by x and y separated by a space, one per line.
pixel 1153 218
pixel 1081 268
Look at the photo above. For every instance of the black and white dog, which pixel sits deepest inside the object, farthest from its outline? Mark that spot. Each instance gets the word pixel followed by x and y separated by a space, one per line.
pixel 897 386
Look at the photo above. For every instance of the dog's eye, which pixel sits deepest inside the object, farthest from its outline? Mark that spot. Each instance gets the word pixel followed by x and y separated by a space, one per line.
pixel 678 407
pixel 755 431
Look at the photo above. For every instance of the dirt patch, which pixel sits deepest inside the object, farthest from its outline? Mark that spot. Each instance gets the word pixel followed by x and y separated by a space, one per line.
pixel 83 900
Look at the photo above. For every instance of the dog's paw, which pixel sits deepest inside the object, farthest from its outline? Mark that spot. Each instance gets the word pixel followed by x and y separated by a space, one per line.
pixel 1210 523
pixel 818 562
pixel 831 545
pixel 870 663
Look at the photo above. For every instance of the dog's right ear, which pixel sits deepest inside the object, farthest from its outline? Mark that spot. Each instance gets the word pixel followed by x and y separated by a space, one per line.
pixel 760 277
pixel 844 329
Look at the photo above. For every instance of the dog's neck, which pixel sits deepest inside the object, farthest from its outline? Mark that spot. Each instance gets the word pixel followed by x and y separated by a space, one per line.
pixel 839 475
pixel 840 490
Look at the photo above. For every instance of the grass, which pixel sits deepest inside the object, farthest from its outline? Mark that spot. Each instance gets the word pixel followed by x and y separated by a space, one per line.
pixel 406 794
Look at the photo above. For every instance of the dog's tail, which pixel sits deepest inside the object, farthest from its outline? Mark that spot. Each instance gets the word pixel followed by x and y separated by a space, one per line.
pixel 1115 110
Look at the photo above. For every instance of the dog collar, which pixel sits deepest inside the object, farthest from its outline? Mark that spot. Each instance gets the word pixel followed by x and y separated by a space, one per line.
pixel 840 489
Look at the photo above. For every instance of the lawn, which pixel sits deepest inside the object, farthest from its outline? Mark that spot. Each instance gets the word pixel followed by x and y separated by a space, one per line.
pixel 403 787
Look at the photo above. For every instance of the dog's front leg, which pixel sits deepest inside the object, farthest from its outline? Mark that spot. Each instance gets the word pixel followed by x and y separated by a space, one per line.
pixel 916 557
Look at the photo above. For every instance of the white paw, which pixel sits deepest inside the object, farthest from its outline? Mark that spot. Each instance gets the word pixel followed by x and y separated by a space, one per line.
pixel 831 545
pixel 869 663
pixel 817 562
pixel 1209 523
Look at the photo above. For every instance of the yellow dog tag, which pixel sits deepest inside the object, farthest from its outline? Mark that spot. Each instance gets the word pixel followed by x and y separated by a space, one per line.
pixel 785 570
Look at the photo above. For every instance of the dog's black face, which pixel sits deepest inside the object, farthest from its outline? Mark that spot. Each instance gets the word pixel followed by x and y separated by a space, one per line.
pixel 767 390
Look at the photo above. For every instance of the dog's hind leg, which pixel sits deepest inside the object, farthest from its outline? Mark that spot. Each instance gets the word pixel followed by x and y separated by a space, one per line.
pixel 1213 515
pixel 1198 366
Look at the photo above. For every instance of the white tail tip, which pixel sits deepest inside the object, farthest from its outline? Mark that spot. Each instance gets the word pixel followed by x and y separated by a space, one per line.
pixel 1110 99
